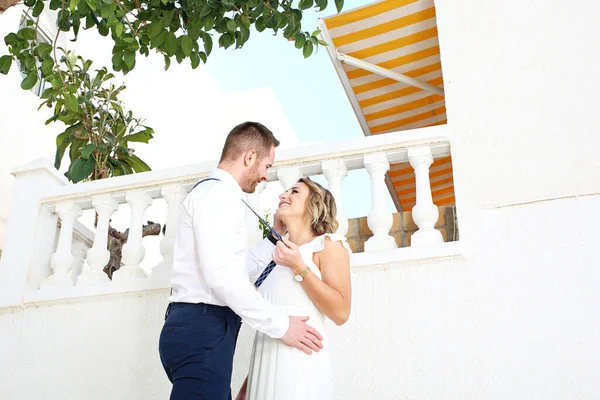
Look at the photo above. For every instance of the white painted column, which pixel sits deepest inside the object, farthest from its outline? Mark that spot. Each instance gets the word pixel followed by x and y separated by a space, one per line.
pixel 255 234
pixel 98 256
pixel 335 171
pixel 24 265
pixel 133 250
pixel 288 176
pixel 424 213
pixel 62 260
pixel 174 194
pixel 380 220
pixel 79 251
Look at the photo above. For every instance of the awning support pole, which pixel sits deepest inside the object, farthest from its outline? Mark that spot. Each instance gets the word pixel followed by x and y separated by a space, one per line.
pixel 389 74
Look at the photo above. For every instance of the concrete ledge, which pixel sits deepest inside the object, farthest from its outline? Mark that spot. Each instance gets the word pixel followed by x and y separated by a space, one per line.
pixel 101 289
pixel 406 254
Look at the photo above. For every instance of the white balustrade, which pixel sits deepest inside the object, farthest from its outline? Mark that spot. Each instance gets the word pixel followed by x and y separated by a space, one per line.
pixel 56 198
pixel 62 260
pixel 255 234
pixel 424 213
pixel 380 220
pixel 335 171
pixel 133 250
pixel 98 256
pixel 174 194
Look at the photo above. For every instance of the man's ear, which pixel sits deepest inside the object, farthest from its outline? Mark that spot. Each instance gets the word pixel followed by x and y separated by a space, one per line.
pixel 250 158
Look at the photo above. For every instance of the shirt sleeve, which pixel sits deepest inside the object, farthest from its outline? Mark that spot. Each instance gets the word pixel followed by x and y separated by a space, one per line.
pixel 258 258
pixel 213 223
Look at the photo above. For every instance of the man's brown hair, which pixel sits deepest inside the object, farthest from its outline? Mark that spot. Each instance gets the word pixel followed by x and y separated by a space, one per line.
pixel 248 136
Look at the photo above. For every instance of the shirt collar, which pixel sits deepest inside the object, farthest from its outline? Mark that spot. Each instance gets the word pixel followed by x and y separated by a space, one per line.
pixel 227 178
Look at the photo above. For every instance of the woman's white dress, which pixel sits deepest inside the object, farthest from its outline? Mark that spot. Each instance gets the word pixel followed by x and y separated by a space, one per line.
pixel 280 372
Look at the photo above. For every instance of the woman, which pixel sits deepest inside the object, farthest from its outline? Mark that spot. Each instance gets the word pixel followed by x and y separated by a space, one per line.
pixel 312 278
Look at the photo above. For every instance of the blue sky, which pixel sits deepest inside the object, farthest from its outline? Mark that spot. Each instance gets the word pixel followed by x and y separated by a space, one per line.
pixel 309 91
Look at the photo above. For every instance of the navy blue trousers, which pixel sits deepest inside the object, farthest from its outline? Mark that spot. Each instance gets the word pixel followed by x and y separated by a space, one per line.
pixel 196 349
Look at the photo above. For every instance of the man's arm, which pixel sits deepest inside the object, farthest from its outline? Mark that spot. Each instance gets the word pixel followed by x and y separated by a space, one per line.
pixel 213 226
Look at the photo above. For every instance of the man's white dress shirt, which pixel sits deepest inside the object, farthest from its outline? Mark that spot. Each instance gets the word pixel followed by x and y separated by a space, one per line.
pixel 212 263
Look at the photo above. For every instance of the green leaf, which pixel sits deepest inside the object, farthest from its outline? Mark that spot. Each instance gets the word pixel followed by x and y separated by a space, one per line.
pixel 304 4
pixel 316 33
pixel 5 63
pixel 208 43
pixel 47 67
pixel 119 29
pixel 339 4
pixel 62 142
pixel 170 43
pixel 29 81
pixel 137 164
pixel 71 102
pixel 195 59
pixel 186 45
pixel 38 8
pixel 143 136
pixel 167 63
pixel 87 151
pixel 159 40
pixel 308 49
pixel 11 39
pixel 155 29
pixel 44 49
pixel 323 43
pixel 206 9
pixel 130 58
pixel 231 25
pixel 26 33
pixel 73 5
pixel 322 4
pixel 300 41
pixel 81 169
pixel 117 61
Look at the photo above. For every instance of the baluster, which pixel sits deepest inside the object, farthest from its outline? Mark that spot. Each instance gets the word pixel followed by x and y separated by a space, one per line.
pixel 288 176
pixel 98 256
pixel 174 195
pixel 380 220
pixel 255 234
pixel 79 251
pixel 62 260
pixel 424 213
pixel 335 171
pixel 133 250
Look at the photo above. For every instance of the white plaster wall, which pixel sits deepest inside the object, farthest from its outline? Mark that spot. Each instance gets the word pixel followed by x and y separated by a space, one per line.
pixel 515 319
pixel 96 348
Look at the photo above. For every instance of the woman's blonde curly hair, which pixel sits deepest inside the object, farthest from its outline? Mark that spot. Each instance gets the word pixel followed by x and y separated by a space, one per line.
pixel 320 208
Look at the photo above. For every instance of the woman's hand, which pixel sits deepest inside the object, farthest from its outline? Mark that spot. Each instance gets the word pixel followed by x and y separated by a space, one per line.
pixel 288 255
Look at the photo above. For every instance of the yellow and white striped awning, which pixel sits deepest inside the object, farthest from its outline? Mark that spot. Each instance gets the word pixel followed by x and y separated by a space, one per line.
pixel 387 56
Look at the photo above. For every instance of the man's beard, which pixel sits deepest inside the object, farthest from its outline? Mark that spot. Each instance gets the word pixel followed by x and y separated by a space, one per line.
pixel 251 180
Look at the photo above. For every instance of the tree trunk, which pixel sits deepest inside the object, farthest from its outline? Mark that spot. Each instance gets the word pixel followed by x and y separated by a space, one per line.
pixel 6 4
pixel 117 239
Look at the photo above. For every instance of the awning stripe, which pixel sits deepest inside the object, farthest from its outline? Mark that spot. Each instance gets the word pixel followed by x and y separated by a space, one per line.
pixel 385 27
pixel 365 12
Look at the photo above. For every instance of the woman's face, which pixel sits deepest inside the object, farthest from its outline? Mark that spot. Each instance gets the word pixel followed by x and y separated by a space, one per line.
pixel 292 203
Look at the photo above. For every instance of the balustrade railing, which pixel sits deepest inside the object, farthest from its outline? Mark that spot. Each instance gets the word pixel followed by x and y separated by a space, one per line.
pixel 59 260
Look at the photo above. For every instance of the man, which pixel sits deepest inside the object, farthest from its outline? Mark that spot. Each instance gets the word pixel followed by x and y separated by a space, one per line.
pixel 211 266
